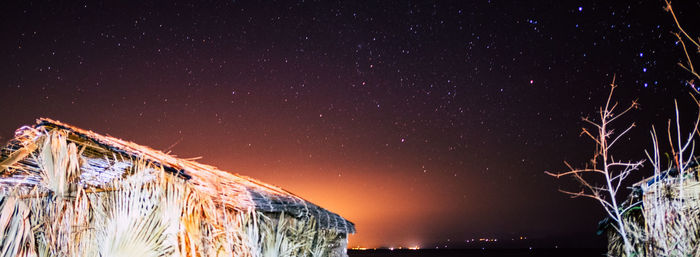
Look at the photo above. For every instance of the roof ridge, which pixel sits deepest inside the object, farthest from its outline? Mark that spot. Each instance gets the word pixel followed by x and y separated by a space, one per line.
pixel 141 151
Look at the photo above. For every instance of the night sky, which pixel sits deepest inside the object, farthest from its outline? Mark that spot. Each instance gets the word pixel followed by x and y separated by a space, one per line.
pixel 425 123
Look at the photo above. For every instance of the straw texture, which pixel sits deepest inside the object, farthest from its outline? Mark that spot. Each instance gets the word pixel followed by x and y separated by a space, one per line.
pixel 65 191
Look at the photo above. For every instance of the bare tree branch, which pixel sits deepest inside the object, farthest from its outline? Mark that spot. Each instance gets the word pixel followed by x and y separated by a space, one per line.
pixel 612 172
pixel 682 37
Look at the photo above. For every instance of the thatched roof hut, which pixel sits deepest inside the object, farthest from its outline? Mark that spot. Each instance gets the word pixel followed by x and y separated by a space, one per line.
pixel 65 191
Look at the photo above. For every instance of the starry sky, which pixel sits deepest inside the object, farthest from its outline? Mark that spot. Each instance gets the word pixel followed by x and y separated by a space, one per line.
pixel 425 123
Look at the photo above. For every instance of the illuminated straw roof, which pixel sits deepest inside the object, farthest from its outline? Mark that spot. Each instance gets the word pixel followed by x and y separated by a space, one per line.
pixel 105 160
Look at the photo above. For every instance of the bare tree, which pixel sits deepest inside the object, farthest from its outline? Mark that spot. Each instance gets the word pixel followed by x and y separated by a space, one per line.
pixel 604 167
pixel 684 39
pixel 669 226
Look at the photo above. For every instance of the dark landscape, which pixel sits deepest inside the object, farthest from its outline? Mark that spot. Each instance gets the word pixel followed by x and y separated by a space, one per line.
pixel 569 252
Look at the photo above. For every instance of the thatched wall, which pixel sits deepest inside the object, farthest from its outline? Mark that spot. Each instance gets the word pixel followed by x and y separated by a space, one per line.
pixel 665 223
pixel 68 194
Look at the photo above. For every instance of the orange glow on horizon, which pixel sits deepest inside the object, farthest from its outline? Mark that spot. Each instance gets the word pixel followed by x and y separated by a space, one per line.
pixel 383 211
pixel 387 207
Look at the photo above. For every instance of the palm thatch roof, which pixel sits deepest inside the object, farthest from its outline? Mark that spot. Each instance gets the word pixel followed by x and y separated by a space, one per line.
pixel 231 191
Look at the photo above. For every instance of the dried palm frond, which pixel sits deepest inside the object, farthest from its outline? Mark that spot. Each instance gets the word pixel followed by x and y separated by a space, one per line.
pixel 276 239
pixel 171 209
pixel 82 227
pixel 16 237
pixel 234 236
pixel 131 222
pixel 60 209
pixel 59 164
pixel 303 231
pixel 319 248
pixel 252 238
pixel 191 232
